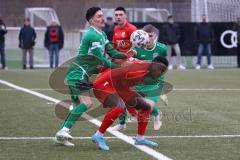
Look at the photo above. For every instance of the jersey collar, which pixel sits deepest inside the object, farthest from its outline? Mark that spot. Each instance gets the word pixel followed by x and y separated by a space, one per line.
pixel 152 48
pixel 96 30
pixel 123 25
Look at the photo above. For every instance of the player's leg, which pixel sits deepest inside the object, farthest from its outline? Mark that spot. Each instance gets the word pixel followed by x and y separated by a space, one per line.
pixel 155 113
pixel 117 108
pixel 79 109
pixel 144 107
pixel 121 122
pixel 155 94
pixel 152 93
pixel 123 118
pixel 83 103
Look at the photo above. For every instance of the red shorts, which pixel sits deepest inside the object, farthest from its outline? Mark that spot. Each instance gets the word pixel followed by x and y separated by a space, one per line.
pixel 102 92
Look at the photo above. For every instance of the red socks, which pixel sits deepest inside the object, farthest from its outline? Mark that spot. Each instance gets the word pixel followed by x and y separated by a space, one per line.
pixel 114 113
pixel 110 117
pixel 132 111
pixel 143 118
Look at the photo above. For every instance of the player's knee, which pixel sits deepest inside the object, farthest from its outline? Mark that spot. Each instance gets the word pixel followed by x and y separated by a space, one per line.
pixel 113 101
pixel 144 104
pixel 151 103
pixel 85 99
pixel 88 104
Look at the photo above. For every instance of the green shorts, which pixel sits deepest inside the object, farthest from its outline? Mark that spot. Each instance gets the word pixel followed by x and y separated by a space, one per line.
pixel 75 90
pixel 150 92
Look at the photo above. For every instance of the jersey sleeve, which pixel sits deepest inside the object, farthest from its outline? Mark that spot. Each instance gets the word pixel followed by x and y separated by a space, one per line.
pixel 113 52
pixel 164 50
pixel 97 52
pixel 96 49
pixel 135 49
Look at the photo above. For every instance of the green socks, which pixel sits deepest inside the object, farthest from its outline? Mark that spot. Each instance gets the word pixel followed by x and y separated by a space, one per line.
pixel 155 111
pixel 74 115
pixel 122 118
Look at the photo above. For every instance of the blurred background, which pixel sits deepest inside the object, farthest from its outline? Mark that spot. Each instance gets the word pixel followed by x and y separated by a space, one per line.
pixel 71 16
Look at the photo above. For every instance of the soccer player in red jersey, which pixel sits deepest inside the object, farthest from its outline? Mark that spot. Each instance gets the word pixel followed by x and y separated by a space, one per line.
pixel 122 31
pixel 121 36
pixel 114 90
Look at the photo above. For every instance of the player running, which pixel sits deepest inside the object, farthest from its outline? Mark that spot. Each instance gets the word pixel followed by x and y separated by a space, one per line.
pixel 152 50
pixel 113 89
pixel 90 57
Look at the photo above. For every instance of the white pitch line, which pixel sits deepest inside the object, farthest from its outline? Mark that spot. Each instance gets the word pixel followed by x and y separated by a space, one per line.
pixel 152 137
pixel 32 89
pixel 118 134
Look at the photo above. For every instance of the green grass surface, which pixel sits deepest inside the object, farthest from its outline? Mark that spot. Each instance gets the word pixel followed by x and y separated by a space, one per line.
pixel 190 112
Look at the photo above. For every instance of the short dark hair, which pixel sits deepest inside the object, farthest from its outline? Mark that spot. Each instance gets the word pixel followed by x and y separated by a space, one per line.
pixel 120 9
pixel 150 28
pixel 91 12
pixel 160 59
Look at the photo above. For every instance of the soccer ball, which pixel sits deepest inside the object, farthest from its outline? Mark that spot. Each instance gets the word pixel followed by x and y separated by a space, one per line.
pixel 139 38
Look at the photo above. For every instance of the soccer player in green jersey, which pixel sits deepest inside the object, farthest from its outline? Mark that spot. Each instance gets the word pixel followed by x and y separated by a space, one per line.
pixel 90 58
pixel 152 50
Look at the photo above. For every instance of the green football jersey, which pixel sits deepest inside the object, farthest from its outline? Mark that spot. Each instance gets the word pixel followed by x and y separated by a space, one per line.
pixel 93 43
pixel 90 56
pixel 144 54
pixel 148 55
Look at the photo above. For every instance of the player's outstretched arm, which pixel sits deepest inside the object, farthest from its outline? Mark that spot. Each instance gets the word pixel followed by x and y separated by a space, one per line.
pixel 97 51
pixel 113 52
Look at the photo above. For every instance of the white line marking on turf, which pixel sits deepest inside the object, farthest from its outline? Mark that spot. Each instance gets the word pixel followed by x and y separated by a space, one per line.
pixel 118 134
pixel 152 137
pixel 50 103
pixel 33 89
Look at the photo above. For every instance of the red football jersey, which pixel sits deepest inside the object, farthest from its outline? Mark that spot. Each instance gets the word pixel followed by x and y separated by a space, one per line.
pixel 121 37
pixel 120 81
pixel 124 77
